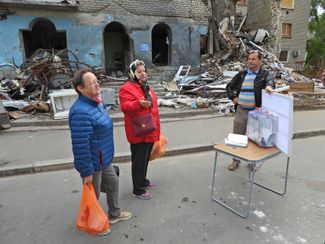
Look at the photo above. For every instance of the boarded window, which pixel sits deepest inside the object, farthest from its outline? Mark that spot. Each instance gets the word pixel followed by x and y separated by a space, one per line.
pixel 284 56
pixel 286 30
pixel 289 4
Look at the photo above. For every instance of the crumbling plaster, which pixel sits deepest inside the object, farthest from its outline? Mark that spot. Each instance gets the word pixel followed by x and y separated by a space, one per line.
pixel 84 32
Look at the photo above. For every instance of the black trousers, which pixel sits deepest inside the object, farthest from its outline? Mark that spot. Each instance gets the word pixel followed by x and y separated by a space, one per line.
pixel 140 154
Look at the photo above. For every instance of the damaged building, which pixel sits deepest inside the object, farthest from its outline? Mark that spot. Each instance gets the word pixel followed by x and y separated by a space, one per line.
pixel 106 34
pixel 192 49
pixel 287 24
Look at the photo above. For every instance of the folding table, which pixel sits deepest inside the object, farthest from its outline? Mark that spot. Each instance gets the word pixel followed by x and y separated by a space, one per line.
pixel 281 106
pixel 254 155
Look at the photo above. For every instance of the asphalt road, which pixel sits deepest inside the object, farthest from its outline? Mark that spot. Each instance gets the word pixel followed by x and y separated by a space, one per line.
pixel 42 208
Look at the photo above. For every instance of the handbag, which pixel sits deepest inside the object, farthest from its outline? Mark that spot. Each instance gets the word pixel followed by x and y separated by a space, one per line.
pixel 91 218
pixel 143 124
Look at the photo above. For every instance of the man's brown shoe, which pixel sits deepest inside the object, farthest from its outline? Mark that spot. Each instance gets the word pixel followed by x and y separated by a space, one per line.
pixel 234 165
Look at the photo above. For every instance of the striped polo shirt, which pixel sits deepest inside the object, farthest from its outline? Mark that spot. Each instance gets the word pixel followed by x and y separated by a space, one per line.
pixel 246 98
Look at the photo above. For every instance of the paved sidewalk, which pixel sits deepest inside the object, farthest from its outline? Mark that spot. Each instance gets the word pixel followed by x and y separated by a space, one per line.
pixel 34 149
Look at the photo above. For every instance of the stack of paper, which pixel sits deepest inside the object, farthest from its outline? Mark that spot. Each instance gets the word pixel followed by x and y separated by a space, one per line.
pixel 236 140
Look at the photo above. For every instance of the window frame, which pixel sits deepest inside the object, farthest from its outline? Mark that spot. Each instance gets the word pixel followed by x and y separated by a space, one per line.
pixel 287 7
pixel 287 59
pixel 284 32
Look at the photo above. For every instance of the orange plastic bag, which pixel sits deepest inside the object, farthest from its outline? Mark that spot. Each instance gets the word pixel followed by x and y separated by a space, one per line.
pixel 159 148
pixel 91 217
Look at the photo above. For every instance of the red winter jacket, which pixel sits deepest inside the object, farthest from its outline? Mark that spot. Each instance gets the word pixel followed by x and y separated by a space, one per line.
pixel 130 94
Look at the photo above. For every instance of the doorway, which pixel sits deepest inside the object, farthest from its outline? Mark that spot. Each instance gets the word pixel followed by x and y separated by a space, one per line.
pixel 161 43
pixel 117 49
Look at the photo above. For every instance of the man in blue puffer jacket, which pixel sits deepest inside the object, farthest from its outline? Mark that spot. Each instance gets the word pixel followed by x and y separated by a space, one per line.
pixel 92 142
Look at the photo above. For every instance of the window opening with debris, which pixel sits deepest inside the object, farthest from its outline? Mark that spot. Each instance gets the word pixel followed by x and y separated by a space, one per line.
pixel 43 35
pixel 161 43
pixel 117 49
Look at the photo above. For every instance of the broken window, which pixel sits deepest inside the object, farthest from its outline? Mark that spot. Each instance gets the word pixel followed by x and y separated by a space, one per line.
pixel 289 4
pixel 284 56
pixel 286 30
pixel 117 49
pixel 43 36
pixel 160 36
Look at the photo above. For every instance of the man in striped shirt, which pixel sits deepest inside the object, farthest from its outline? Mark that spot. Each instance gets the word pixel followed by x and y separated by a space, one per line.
pixel 245 91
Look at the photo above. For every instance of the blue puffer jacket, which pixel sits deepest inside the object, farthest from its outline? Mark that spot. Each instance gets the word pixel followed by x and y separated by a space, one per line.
pixel 92 136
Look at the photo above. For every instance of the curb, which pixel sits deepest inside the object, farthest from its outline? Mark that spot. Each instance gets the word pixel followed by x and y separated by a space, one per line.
pixel 67 163
pixel 31 128
pixel 64 164
pixel 306 134
pixel 117 117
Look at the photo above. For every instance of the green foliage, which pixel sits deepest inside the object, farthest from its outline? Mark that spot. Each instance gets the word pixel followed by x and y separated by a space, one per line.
pixel 316 42
pixel 315 5
pixel 316 51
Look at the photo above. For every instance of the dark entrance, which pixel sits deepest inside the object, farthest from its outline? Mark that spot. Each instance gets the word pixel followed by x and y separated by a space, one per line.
pixel 161 43
pixel 117 48
pixel 43 35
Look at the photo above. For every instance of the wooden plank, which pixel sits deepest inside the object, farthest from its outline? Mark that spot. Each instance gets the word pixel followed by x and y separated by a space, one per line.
pixel 14 115
pixel 302 86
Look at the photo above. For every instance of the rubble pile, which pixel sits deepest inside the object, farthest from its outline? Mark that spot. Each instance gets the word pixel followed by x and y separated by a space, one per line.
pixel 27 89
pixel 205 86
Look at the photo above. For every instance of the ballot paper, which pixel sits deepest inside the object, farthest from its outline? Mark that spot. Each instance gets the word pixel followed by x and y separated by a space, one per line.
pixel 236 140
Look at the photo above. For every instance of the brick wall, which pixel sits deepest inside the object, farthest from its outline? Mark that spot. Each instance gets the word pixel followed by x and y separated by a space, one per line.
pixel 167 8
pixel 298 17
pixel 259 14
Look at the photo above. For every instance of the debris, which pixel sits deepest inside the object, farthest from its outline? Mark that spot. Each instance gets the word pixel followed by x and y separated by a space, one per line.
pixel 4 118
pixel 18 104
pixel 259 214
pixel 165 102
pixel 261 35
pixel 47 75
pixel 62 101
pixel 14 115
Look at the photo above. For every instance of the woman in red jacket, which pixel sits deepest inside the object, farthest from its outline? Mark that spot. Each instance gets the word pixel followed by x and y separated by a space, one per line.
pixel 137 99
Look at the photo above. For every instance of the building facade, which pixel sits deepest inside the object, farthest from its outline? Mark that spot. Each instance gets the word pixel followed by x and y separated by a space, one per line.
pixel 287 23
pixel 294 31
pixel 108 34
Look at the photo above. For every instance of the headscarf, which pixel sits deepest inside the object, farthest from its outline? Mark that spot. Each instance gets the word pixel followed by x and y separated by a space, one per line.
pixel 144 84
